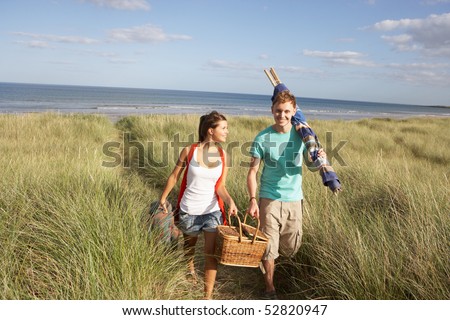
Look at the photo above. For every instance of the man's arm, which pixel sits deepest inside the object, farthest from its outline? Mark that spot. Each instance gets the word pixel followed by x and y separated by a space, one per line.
pixel 222 190
pixel 252 186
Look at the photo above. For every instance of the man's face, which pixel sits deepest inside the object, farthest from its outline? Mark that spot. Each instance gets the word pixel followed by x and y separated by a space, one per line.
pixel 282 113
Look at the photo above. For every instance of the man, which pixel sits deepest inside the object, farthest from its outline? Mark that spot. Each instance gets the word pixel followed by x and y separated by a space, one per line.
pixel 280 208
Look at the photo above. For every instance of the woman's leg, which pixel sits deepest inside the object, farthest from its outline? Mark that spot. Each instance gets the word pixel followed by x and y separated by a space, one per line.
pixel 210 263
pixel 189 250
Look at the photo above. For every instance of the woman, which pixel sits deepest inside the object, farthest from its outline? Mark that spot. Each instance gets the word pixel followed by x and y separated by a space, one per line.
pixel 200 202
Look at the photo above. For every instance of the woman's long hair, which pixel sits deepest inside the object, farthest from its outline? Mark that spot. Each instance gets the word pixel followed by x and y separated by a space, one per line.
pixel 210 120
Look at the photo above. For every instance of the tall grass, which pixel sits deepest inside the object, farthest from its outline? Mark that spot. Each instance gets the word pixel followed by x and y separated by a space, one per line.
pixel 385 237
pixel 70 227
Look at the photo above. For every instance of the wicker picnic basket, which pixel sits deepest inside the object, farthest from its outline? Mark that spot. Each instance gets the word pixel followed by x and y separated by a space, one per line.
pixel 241 246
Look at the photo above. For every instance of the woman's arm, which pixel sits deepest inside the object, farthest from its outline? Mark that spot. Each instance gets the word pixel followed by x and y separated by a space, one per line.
pixel 174 176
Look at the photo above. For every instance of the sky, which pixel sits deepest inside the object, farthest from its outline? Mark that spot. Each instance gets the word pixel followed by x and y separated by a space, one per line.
pixel 366 50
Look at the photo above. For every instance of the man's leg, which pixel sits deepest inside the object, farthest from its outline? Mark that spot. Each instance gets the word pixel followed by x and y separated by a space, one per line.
pixel 269 267
pixel 270 226
pixel 291 230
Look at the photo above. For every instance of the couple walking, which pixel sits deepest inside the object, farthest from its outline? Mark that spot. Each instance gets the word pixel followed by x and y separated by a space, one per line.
pixel 278 205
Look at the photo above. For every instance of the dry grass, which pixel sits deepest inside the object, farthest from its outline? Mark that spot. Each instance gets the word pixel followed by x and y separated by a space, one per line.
pixel 70 227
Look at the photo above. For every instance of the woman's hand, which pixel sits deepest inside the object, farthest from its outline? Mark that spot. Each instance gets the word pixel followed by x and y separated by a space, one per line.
pixel 162 205
pixel 232 209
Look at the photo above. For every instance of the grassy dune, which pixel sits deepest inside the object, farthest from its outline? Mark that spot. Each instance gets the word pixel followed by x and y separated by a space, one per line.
pixel 70 227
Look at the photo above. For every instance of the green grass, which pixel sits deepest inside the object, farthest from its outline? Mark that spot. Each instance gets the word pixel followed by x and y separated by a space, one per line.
pixel 71 228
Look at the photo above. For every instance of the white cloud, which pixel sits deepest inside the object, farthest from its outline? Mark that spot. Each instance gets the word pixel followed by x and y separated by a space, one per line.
pixel 62 62
pixel 292 69
pixel 433 2
pixel 332 54
pixel 301 70
pixel 122 61
pixel 340 58
pixel 345 40
pixel 389 25
pixel 122 4
pixel 145 34
pixel 434 74
pixel 257 69
pixel 223 64
pixel 34 44
pixel 102 54
pixel 437 52
pixel 57 38
pixel 421 66
pixel 402 42
pixel 431 35
pixel 263 56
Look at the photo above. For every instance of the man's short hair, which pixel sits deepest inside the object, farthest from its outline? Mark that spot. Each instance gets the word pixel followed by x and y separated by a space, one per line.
pixel 283 97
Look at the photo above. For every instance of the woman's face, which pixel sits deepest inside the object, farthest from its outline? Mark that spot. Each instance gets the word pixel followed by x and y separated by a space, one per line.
pixel 219 133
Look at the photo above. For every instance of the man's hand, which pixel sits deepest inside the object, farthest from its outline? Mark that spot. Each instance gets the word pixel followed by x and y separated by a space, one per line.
pixel 253 209
pixel 321 153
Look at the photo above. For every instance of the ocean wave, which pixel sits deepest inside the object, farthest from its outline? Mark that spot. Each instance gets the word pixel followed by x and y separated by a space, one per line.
pixel 149 107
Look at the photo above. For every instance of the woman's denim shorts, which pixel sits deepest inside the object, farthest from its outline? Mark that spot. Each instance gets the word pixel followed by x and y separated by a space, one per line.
pixel 193 225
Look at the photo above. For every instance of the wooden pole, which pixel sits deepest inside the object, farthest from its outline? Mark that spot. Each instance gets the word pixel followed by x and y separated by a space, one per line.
pixel 272 81
pixel 275 76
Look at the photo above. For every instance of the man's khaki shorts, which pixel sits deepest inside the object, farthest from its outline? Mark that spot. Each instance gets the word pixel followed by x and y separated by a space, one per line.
pixel 282 223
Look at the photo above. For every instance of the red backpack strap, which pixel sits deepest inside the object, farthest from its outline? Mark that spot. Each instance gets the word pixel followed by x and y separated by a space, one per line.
pixel 219 200
pixel 184 181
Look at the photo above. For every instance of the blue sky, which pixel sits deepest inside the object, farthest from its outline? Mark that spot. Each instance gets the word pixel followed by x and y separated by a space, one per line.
pixel 369 50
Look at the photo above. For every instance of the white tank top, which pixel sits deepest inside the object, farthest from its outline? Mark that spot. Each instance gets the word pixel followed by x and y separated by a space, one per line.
pixel 199 197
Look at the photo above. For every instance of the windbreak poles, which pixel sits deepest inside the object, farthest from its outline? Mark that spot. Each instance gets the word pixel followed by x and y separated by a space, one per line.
pixel 329 177
pixel 273 77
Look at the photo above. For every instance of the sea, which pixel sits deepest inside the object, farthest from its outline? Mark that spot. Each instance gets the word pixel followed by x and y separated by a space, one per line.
pixel 118 102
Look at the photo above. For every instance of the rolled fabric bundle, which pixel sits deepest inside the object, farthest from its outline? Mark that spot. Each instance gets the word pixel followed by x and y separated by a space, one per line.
pixel 329 176
pixel 163 221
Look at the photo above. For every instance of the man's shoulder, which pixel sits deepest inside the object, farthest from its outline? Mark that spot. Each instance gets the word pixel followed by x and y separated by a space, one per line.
pixel 264 132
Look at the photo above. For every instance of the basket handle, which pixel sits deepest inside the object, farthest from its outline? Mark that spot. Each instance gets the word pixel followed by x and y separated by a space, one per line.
pixel 257 226
pixel 240 226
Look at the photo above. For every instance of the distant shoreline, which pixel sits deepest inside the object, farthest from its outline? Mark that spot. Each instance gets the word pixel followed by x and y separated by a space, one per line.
pixel 443 107
pixel 348 117
pixel 117 103
pixel 115 117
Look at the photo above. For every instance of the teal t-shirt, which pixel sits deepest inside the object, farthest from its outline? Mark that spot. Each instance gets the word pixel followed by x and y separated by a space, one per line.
pixel 282 154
